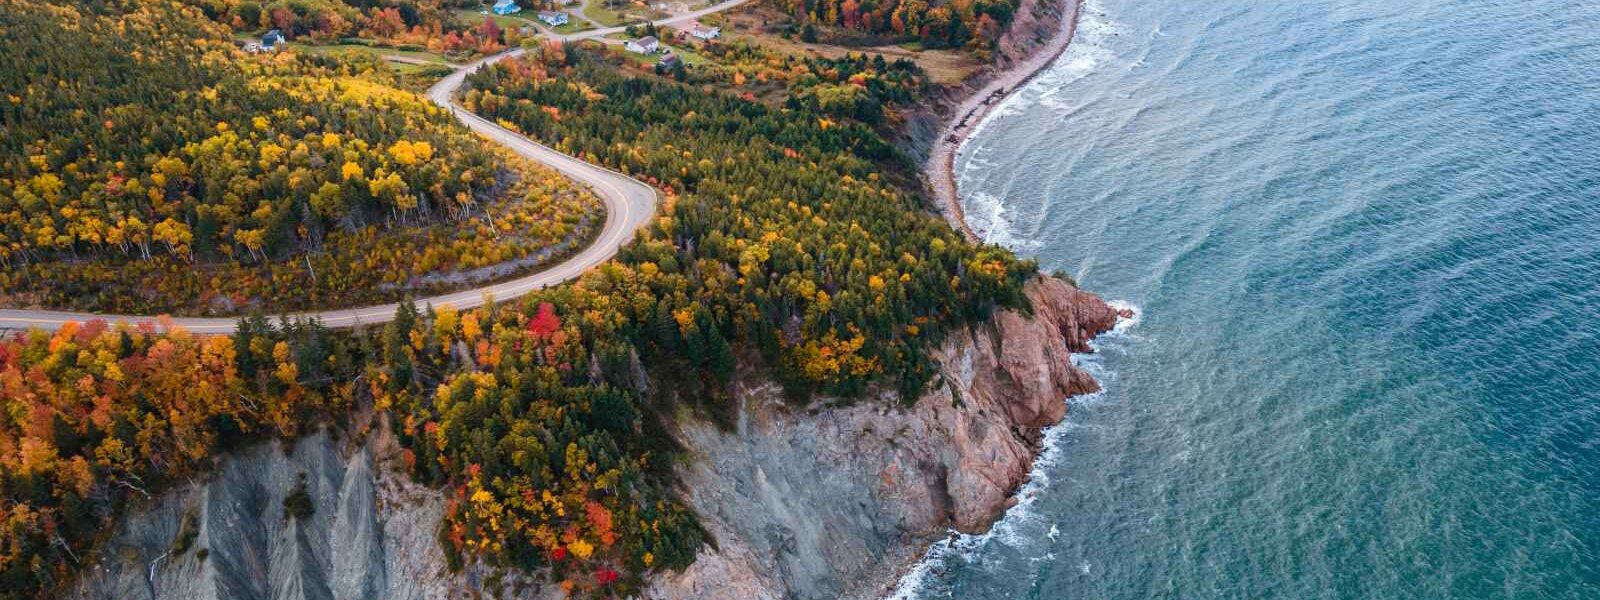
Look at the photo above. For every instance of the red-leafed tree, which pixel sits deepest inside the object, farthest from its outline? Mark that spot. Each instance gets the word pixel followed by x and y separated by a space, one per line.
pixel 545 322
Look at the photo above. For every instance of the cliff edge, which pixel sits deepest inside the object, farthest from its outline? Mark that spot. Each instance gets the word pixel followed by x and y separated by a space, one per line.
pixel 834 503
pixel 809 504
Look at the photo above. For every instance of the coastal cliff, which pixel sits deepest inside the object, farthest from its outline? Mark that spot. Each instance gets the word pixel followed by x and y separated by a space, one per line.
pixel 820 503
pixel 833 503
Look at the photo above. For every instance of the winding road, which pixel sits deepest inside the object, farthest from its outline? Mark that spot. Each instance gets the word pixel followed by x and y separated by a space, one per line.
pixel 629 204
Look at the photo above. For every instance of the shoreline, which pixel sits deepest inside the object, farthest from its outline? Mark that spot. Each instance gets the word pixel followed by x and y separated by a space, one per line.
pixel 939 169
pixel 939 176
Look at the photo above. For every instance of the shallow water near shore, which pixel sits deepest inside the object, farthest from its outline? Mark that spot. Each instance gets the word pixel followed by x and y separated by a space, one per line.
pixel 1364 238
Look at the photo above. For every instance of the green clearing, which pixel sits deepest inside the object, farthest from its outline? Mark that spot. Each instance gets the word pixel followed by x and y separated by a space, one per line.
pixel 574 25
pixel 690 57
pixel 474 18
pixel 605 16
pixel 378 51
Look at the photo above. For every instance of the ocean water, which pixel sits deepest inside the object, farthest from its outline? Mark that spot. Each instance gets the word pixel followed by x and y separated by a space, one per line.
pixel 1364 241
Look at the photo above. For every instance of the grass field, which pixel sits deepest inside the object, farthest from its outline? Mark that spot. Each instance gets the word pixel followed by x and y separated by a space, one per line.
pixel 605 16
pixel 475 17
pixel 942 66
pixel 573 25
pixel 377 51
pixel 689 56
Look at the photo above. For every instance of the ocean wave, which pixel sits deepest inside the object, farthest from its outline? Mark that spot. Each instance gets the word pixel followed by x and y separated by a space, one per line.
pixel 1016 527
pixel 994 221
pixel 1090 48
pixel 989 216
pixel 1124 324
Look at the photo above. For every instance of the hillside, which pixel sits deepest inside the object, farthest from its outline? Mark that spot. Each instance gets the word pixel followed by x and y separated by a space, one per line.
pixel 794 253
pixel 150 166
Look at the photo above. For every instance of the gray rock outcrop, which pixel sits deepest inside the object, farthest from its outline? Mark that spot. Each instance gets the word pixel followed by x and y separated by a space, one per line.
pixel 830 502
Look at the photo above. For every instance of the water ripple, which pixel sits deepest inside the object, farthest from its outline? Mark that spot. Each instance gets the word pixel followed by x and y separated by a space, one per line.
pixel 1366 240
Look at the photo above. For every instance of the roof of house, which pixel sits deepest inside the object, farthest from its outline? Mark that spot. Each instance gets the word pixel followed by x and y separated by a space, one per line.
pixel 551 14
pixel 648 40
pixel 501 3
pixel 273 36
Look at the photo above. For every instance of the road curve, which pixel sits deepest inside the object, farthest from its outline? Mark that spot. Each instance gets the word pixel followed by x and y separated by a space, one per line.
pixel 629 205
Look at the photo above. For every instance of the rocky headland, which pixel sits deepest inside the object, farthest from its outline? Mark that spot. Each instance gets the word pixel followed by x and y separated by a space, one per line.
pixel 835 503
pixel 830 501
pixel 803 503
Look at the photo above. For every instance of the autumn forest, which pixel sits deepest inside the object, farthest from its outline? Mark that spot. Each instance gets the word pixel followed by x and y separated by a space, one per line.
pixel 149 165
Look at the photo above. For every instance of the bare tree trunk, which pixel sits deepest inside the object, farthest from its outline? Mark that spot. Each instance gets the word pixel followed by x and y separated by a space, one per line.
pixel 151 580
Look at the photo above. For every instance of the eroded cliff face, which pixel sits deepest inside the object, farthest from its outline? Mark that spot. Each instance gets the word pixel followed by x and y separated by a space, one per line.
pixel 371 535
pixel 833 503
pixel 827 503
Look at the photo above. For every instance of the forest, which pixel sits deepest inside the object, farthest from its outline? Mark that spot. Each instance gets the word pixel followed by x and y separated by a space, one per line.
pixel 800 233
pixel 853 86
pixel 544 464
pixel 432 25
pixel 140 146
pixel 975 24
pixel 793 245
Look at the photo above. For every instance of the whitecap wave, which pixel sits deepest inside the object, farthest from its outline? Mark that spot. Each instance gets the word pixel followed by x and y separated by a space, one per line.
pixel 987 215
pixel 995 222
pixel 1090 50
pixel 1126 323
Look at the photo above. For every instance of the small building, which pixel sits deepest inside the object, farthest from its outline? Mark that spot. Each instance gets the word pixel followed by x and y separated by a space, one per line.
pixel 645 45
pixel 553 18
pixel 703 32
pixel 506 7
pixel 667 61
pixel 272 41
pixel 252 47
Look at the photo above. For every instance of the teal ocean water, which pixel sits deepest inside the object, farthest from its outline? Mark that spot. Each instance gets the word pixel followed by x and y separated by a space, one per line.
pixel 1364 240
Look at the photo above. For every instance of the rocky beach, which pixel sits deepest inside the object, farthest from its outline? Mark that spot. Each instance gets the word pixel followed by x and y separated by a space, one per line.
pixel 1042 32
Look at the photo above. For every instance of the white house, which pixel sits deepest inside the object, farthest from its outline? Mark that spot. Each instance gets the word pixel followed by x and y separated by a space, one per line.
pixel 703 32
pixel 553 18
pixel 506 7
pixel 644 45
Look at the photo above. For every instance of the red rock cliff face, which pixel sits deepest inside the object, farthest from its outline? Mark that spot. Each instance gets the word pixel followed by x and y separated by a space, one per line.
pixel 1013 378
pixel 832 503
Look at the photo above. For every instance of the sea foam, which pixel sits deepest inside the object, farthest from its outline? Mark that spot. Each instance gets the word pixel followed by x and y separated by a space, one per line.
pixel 991 218
pixel 988 215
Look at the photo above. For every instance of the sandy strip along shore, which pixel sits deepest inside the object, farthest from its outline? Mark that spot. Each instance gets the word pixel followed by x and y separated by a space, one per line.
pixel 940 168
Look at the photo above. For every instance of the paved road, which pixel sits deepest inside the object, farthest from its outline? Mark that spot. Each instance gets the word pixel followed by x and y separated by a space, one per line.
pixel 597 34
pixel 629 205
pixel 672 20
